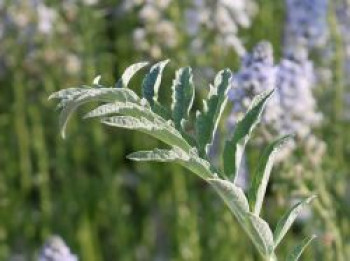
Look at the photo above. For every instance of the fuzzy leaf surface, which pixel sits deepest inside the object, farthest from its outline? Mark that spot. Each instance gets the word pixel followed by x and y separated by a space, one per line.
pixel 190 160
pixel 299 249
pixel 72 98
pixel 151 82
pixel 262 174
pixel 207 120
pixel 233 196
pixel 129 73
pixel 182 96
pixel 124 108
pixel 261 234
pixel 234 148
pixel 159 129
pixel 287 220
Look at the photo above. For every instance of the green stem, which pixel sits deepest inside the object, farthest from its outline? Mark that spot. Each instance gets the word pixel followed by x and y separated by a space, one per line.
pixel 338 69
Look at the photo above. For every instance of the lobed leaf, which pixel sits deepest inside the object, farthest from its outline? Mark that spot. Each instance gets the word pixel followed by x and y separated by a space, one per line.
pixel 72 99
pixel 159 129
pixel 261 234
pixel 262 174
pixel 287 220
pixel 207 121
pixel 151 82
pixel 188 160
pixel 183 96
pixel 299 249
pixel 129 73
pixel 124 108
pixel 234 148
pixel 69 93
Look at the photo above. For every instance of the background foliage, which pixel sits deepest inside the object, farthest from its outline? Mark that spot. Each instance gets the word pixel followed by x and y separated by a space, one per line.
pixel 109 208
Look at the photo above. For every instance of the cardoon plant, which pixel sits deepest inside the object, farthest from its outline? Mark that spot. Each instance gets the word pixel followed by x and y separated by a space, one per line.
pixel 189 142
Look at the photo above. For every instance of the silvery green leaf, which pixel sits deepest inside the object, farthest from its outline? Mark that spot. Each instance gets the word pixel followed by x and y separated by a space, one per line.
pixel 287 220
pixel 158 129
pixel 69 93
pixel 124 108
pixel 182 96
pixel 96 80
pixel 161 155
pixel 234 148
pixel 151 82
pixel 207 121
pixel 233 196
pixel 198 165
pixel 261 234
pixel 299 249
pixel 161 110
pixel 188 160
pixel 262 174
pixel 129 73
pixel 71 101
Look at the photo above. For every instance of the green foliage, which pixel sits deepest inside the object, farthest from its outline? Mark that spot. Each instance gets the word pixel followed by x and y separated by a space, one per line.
pixel 183 95
pixel 262 174
pixel 299 249
pixel 207 121
pixel 124 109
pixel 234 147
pixel 287 220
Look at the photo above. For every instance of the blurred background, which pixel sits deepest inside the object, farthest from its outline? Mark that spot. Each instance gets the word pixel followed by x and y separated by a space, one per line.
pixel 108 208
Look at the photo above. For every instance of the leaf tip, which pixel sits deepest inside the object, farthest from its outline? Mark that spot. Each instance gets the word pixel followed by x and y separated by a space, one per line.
pixel 96 80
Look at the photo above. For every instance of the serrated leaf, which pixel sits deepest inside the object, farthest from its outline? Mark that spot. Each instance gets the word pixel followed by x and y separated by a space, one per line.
pixel 158 129
pixel 262 174
pixel 70 101
pixel 261 234
pixel 287 220
pixel 234 148
pixel 151 82
pixel 233 196
pixel 207 121
pixel 129 73
pixel 183 96
pixel 299 249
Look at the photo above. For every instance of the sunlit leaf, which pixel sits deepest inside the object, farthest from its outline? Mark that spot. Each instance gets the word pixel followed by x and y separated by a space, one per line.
pixel 129 73
pixel 189 160
pixel 158 129
pixel 77 97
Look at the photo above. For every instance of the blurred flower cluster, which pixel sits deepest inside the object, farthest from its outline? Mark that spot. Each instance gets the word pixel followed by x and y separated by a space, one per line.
pixel 292 108
pixel 306 22
pixel 55 249
pixel 196 22
pixel 39 35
